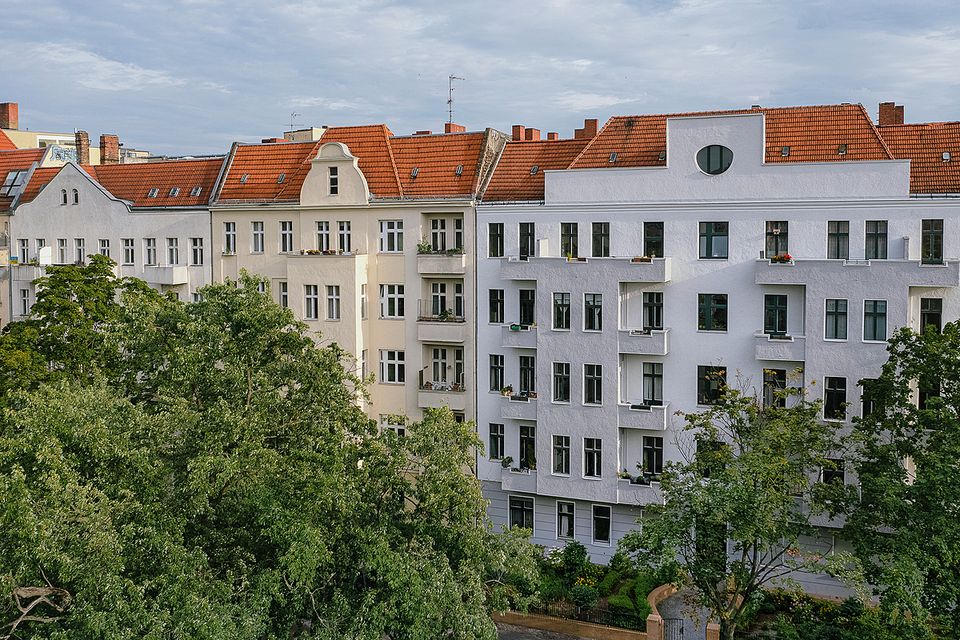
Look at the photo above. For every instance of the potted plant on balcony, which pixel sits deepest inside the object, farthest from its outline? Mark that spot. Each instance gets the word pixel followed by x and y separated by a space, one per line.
pixel 624 475
pixel 782 258
pixel 532 395
pixel 506 462
pixel 507 390
pixel 424 247
pixel 641 259
pixel 446 314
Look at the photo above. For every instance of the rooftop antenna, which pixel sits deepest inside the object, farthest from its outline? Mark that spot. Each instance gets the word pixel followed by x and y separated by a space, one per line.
pixel 450 80
pixel 293 117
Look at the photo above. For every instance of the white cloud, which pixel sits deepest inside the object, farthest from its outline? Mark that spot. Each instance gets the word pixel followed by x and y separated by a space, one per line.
pixel 94 71
pixel 333 104
pixel 575 101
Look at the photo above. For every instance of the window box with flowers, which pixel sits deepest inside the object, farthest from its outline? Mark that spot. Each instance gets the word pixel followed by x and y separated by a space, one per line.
pixel 782 258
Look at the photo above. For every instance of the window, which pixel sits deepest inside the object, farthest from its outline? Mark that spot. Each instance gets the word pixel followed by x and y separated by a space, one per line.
pixel 712 311
pixel 396 424
pixel 713 240
pixel 833 472
pixel 931 242
pixel 284 294
pixel 196 191
pixel 834 398
pixel 521 513
pixel 333 180
pixel 438 235
pixel 333 302
pixel 438 298
pixel 836 320
pixel 495 240
pixel 876 240
pixel 496 441
pixel 76 197
pixel 592 312
pixel 601 524
pixel 458 233
pixel 774 382
pixel 391 301
pixel 653 384
pixel 601 239
pixel 652 454
pixel 63 196
pixel 343 237
pixel 568 239
pixel 561 311
pixel 229 237
pixel 128 250
pixel 653 239
pixel 565 520
pixel 527 243
pixel 458 304
pixel 173 251
pixel 103 247
pixel 868 396
pixel 528 374
pixel 311 301
pixel 528 300
pixel 196 251
pixel 592 384
pixel 391 236
pixel 79 252
pixel 286 236
pixel 592 457
pixel 927 389
pixel 714 159
pixel 652 310
pixel 874 319
pixel 561 455
pixel 363 301
pixel 24 302
pixel 711 381
pixel 528 447
pixel 150 251
pixel 61 251
pixel 775 314
pixel 12 183
pixel 776 239
pixel 496 306
pixel 838 240
pixel 24 250
pixel 931 312
pixel 561 382
pixel 439 364
pixel 256 237
pixel 392 366
pixel 323 236
pixel 496 372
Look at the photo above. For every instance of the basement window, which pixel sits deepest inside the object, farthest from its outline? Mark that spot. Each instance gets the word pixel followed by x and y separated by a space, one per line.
pixel 784 151
pixel 196 191
pixel 842 150
pixel 174 192
pixel 153 193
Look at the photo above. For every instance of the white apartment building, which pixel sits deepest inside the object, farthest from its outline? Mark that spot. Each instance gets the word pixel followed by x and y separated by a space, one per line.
pixel 633 276
pixel 368 237
pixel 153 220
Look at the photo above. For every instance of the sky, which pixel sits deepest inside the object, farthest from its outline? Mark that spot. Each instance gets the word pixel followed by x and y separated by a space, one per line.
pixel 193 76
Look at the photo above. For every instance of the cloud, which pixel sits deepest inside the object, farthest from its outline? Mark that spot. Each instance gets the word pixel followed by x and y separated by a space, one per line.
pixel 326 103
pixel 575 101
pixel 94 71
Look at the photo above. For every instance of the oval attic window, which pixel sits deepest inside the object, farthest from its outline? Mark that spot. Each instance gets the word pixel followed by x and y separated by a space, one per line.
pixel 714 159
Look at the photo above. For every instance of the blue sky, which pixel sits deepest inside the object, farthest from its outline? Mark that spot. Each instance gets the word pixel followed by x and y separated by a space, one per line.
pixel 191 76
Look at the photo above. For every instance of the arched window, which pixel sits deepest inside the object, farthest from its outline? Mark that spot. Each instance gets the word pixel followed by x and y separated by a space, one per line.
pixel 76 197
pixel 63 196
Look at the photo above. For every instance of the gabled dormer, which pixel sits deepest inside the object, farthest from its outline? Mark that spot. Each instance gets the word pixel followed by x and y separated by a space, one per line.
pixel 334 178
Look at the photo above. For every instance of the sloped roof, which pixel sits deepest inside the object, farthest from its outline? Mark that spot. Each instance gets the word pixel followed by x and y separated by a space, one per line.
pixel 19 160
pixel 6 144
pixel 436 159
pixel 512 179
pixel 924 145
pixel 134 182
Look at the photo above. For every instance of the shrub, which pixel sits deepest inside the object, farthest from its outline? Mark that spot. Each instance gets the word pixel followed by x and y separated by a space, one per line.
pixel 584 597
pixel 620 604
pixel 608 583
pixel 574 560
pixel 552 588
pixel 621 563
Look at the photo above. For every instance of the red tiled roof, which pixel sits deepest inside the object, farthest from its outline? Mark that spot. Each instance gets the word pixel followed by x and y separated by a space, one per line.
pixel 133 182
pixel 19 160
pixel 436 158
pixel 512 179
pixel 924 145
pixel 6 144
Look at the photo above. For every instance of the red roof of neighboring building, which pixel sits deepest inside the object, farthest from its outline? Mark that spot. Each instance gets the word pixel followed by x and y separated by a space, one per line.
pixel 514 178
pixel 6 144
pixel 924 145
pixel 19 160
pixel 436 159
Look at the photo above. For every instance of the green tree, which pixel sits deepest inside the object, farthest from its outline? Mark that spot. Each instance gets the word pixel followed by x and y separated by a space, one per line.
pixel 904 525
pixel 206 471
pixel 740 480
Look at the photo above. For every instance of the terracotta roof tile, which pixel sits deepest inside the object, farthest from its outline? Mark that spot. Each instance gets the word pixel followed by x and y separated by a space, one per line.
pixel 436 159
pixel 512 179
pixel 6 144
pixel 924 145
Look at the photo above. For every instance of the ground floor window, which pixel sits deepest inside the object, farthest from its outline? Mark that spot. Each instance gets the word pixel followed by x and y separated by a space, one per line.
pixel 565 511
pixel 601 524
pixel 521 512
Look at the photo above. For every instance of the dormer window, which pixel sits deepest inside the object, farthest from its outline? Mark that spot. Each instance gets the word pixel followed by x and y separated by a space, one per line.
pixel 244 178
pixel 842 150
pixel 334 178
pixel 174 192
pixel 153 193
pixel 784 151
pixel 12 183
pixel 63 197
pixel 76 197
pixel 196 191
pixel 281 178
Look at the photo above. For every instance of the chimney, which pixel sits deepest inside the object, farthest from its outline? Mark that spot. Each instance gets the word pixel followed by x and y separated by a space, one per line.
pixel 109 149
pixel 589 130
pixel 424 132
pixel 450 127
pixel 83 147
pixel 518 130
pixel 9 115
pixel 553 135
pixel 531 134
pixel 890 113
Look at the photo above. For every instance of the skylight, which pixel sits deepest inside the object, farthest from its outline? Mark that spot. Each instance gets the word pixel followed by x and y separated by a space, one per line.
pixel 281 178
pixel 196 191
pixel 613 157
pixel 534 169
pixel 459 170
pixel 842 150
pixel 12 182
pixel 784 151
pixel 946 156
pixel 415 172
pixel 153 193
pixel 243 178
pixel 174 192
pixel 662 157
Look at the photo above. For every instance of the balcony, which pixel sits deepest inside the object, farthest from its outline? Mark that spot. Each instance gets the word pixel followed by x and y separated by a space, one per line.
pixel 780 347
pixel 653 342
pixel 165 275
pixel 878 273
pixel 435 395
pixel 441 264
pixel 515 407
pixel 619 269
pixel 518 336
pixel 524 480
pixel 637 416
pixel 632 493
pixel 436 330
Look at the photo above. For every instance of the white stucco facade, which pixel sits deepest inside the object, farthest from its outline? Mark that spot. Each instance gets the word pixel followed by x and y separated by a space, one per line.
pixel 748 195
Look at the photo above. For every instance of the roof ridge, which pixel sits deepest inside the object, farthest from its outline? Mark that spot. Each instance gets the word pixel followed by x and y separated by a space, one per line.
pixel 593 139
pixel 876 132
pixel 393 160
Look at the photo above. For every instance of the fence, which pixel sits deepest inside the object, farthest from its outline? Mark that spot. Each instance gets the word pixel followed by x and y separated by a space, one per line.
pixel 608 617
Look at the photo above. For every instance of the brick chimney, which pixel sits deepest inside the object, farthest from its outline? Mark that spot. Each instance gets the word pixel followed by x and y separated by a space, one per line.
pixel 553 135
pixel 423 132
pixel 450 127
pixel 9 115
pixel 531 134
pixel 518 130
pixel 890 113
pixel 589 130
pixel 83 147
pixel 109 149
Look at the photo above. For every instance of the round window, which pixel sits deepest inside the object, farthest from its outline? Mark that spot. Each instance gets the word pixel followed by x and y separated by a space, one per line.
pixel 714 159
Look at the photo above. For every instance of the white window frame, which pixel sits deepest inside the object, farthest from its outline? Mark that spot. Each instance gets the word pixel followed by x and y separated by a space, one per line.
pixel 573 532
pixel 397 359
pixel 229 238
pixel 103 247
pixel 173 251
pixel 323 235
pixel 333 302
pixel 344 244
pixel 80 250
pixel 286 236
pixel 311 302
pixel 196 252
pixel 391 236
pixel 257 237
pixel 593 529
pixel 397 296
pixel 283 294
pixel 150 252
pixel 61 251
pixel 129 251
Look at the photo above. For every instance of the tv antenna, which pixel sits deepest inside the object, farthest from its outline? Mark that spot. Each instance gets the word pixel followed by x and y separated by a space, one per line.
pixel 293 118
pixel 450 80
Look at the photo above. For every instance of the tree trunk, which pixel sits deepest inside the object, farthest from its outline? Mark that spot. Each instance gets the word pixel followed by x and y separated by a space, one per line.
pixel 728 630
